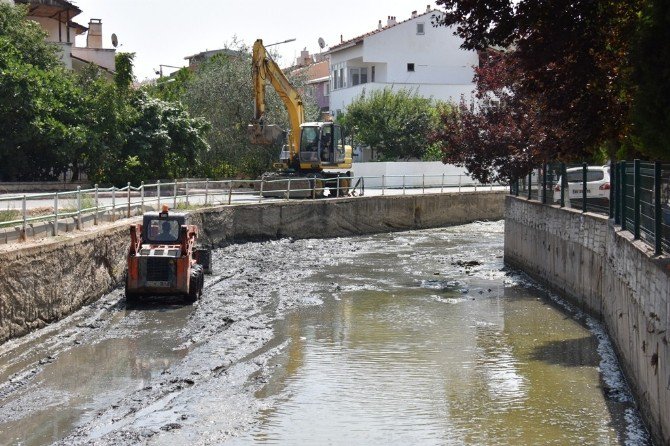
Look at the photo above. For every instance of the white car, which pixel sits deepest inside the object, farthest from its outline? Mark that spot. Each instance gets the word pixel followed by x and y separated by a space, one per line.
pixel 597 185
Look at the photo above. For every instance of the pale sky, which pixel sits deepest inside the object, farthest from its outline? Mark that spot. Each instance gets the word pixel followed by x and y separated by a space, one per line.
pixel 166 31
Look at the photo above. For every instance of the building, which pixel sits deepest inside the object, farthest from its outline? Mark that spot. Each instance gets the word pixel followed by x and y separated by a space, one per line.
pixel 56 18
pixel 411 54
pixel 315 69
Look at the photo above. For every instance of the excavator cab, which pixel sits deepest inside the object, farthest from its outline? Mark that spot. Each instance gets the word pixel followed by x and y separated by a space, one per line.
pixel 321 143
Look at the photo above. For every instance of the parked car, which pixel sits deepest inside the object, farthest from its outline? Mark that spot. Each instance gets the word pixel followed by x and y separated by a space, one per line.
pixel 597 186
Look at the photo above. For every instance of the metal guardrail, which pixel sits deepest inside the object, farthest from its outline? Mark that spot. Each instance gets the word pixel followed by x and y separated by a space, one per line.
pixel 115 203
pixel 638 199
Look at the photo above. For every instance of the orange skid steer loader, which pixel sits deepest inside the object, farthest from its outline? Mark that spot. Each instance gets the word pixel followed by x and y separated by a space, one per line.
pixel 163 259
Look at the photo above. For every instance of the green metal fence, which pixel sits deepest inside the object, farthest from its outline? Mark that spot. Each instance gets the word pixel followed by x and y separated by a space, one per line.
pixel 636 195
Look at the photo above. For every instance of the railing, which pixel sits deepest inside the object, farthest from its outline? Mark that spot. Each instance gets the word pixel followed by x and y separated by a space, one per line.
pixel 637 198
pixel 52 213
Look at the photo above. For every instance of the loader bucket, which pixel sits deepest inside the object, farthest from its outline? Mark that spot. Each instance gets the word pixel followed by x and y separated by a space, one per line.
pixel 264 134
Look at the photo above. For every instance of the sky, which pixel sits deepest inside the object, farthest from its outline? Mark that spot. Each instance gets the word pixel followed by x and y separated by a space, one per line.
pixel 166 31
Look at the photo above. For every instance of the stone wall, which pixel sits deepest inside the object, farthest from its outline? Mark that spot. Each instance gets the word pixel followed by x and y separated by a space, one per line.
pixel 605 272
pixel 43 281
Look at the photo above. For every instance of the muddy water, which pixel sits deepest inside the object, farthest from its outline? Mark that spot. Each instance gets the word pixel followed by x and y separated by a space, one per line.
pixel 406 338
pixel 423 340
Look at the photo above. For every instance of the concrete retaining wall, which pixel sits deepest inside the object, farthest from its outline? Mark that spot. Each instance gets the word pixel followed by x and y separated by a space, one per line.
pixel 611 276
pixel 42 282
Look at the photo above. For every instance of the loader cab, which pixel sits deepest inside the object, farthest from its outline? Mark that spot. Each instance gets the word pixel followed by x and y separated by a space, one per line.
pixel 321 143
pixel 162 228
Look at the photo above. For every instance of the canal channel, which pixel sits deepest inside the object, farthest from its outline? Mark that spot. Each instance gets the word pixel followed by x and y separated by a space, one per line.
pixel 419 337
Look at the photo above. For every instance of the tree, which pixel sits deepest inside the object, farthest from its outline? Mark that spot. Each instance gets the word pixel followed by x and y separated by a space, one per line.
pixel 38 99
pixel 651 74
pixel 396 123
pixel 564 79
pixel 221 91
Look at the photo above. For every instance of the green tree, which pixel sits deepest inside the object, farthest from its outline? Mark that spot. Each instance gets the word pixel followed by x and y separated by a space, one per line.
pixel 396 123
pixel 41 129
pixel 651 73
pixel 221 91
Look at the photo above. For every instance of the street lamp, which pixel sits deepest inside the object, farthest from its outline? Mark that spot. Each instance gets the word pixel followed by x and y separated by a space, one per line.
pixel 160 71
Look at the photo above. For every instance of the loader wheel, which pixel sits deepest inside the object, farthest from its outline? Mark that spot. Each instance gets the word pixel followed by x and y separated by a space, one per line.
pixel 195 285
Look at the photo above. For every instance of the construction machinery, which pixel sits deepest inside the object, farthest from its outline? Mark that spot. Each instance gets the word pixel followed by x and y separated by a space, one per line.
pixel 314 157
pixel 163 258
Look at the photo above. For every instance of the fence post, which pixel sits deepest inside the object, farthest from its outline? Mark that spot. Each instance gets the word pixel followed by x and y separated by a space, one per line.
pixel 442 185
pixel 564 183
pixel 424 184
pixel 128 199
pixel 79 225
pixel 186 186
pixel 142 197
pixel 158 193
pixel 584 178
pixel 403 184
pixel 459 182
pixel 24 225
pixel 174 194
pixel 97 206
pixel 288 189
pixel 337 193
pixel 636 199
pixel 230 191
pixel 544 184
pixel 362 186
pixel 56 214
pixel 312 185
pixel 206 189
pixel 260 195
pixel 530 183
pixel 624 180
pixel 658 214
pixel 613 180
pixel 113 203
pixel 383 183
pixel 617 193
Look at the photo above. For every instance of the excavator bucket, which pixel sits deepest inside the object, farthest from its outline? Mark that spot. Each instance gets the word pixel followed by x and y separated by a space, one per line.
pixel 264 134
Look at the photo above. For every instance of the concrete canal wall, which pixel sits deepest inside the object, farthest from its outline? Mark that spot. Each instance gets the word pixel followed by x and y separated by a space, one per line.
pixel 43 281
pixel 609 275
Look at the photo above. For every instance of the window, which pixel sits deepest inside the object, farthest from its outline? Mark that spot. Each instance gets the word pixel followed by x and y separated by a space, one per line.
pixel 326 88
pixel 358 76
pixel 410 67
pixel 341 83
pixel 372 74
pixel 420 29
pixel 335 79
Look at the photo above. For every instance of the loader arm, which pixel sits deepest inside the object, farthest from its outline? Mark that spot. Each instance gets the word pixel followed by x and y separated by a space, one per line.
pixel 264 69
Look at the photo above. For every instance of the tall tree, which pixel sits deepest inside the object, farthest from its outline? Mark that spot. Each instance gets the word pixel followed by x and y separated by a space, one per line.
pixel 651 57
pixel 564 76
pixel 221 91
pixel 395 123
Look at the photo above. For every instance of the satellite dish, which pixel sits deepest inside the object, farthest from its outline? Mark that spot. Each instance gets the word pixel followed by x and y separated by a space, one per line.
pixel 322 43
pixel 115 41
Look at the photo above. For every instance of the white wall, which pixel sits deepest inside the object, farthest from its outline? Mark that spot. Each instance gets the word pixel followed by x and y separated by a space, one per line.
pixel 413 171
pixel 100 56
pixel 442 70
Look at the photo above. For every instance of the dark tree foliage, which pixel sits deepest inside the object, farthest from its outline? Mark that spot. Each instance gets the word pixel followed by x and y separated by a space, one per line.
pixel 562 81
pixel 651 58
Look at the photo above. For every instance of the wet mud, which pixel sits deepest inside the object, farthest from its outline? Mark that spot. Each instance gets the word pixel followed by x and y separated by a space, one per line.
pixel 419 337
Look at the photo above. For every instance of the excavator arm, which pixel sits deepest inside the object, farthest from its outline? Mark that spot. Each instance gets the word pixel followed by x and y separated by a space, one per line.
pixel 265 69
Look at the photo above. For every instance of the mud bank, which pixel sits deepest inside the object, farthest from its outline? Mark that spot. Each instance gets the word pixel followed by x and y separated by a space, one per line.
pixel 43 282
pixel 606 273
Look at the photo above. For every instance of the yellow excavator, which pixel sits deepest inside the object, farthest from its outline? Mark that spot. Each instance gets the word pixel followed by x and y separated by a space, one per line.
pixel 314 157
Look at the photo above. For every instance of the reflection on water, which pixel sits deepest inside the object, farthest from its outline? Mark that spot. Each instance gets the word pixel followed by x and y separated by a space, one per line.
pixel 90 377
pixel 431 353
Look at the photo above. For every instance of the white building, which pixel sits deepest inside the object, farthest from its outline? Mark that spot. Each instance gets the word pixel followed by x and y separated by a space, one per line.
pixel 56 18
pixel 412 54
